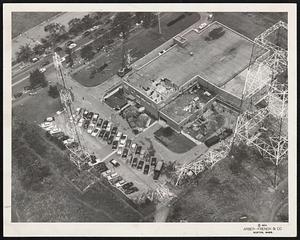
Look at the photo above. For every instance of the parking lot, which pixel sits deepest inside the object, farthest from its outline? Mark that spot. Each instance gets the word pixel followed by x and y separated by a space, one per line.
pixel 116 156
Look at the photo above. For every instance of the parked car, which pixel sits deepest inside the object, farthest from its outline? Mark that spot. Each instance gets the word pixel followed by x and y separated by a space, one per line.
pixel 146 169
pixel 147 157
pixel 110 139
pixel 131 190
pixel 86 124
pixel 42 70
pixel 125 153
pixel 119 135
pixel 138 150
pixel 120 183
pixel 115 144
pixel 99 123
pixel 101 133
pixel 112 176
pixel 123 140
pixel 90 115
pixel 108 128
pixel 106 173
pixel 104 125
pixel 142 154
pixel 128 143
pixel 45 63
pixel 120 150
pixel 114 130
pixel 35 59
pixel 114 163
pixel 95 118
pixel 134 162
pixel 106 136
pixel 140 165
pixel 158 169
pixel 80 122
pixel 127 185
pixel 153 161
pixel 115 180
pixel 95 132
pixel 90 128
pixel 133 147
pixel 85 114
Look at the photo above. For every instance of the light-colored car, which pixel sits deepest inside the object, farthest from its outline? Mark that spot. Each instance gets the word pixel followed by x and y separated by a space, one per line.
pixel 202 25
pixel 120 183
pixel 112 176
pixel 80 122
pixel 32 93
pixel 143 151
pixel 46 124
pixel 120 150
pixel 95 132
pixel 133 147
pixel 106 173
pixel 69 141
pixel 91 128
pixel 42 70
pixel 109 125
pixel 55 130
pixel 50 119
pixel 123 140
pixel 119 134
pixel 72 45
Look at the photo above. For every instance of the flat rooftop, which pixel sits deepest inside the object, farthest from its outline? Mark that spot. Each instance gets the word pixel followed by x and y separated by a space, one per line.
pixel 187 103
pixel 217 60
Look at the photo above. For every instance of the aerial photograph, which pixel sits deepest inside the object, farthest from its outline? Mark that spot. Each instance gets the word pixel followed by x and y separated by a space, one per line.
pixel 149 117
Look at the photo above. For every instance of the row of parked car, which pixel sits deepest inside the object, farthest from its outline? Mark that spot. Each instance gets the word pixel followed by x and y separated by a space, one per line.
pixel 131 152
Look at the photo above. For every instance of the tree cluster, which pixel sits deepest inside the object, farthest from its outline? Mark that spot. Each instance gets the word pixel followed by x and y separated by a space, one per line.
pixel 53 91
pixel 36 78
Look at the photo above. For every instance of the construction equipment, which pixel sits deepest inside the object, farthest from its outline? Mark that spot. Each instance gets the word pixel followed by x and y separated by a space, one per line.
pixel 77 154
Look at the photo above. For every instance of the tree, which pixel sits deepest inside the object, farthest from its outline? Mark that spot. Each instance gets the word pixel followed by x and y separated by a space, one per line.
pixel 87 21
pixel 122 22
pixel 87 52
pixel 53 91
pixel 55 31
pixel 75 26
pixel 38 49
pixel 37 78
pixel 24 54
pixel 149 19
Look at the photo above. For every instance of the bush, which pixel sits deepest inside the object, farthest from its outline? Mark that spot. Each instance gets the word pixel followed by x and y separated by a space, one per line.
pixel 37 78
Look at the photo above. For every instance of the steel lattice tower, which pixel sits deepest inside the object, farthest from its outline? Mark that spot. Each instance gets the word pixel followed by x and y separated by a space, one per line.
pixel 77 152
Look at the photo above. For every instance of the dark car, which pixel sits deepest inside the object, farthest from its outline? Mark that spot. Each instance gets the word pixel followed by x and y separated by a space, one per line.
pixel 127 185
pixel 147 157
pixel 140 165
pixel 86 33
pixel 115 144
pixel 153 161
pixel 128 143
pixel 101 134
pixel 131 190
pixel 86 124
pixel 106 135
pixel 134 162
pixel 45 63
pixel 89 115
pixel 125 153
pixel 138 150
pixel 158 169
pixel 69 43
pixel 146 169
pixel 110 139
pixel 114 130
pixel 99 123
pixel 104 125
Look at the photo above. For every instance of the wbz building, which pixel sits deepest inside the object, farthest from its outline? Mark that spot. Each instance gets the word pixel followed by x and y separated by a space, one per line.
pixel 180 79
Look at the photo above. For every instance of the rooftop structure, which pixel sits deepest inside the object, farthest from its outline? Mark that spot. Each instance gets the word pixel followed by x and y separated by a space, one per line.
pixel 216 53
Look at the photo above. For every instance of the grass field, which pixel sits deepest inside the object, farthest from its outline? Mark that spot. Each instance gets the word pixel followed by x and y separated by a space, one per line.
pixel 149 38
pixel 249 24
pixel 22 21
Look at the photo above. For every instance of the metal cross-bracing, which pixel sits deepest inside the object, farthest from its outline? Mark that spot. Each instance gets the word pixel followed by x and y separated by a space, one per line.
pixel 208 160
pixel 77 152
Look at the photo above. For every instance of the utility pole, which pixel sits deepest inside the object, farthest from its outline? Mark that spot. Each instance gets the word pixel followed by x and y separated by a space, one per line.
pixel 159 27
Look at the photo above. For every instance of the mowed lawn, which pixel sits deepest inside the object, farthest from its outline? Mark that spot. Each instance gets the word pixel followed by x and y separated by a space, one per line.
pixel 250 24
pixel 22 21
pixel 140 43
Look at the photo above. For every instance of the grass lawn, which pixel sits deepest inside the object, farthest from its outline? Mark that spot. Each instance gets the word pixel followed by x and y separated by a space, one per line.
pixel 174 141
pixel 249 24
pixel 22 21
pixel 37 107
pixel 140 43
